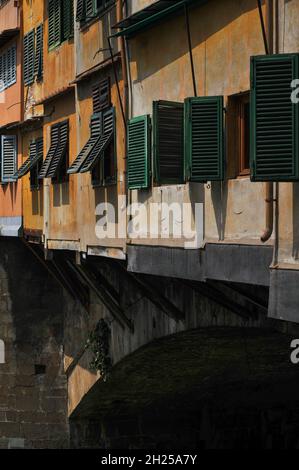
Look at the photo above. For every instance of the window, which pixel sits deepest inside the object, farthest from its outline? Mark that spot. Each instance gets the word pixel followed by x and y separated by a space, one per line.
pixel 33 163
pixel 275 119
pixel 204 149
pixel 55 164
pixel 61 21
pixel 99 153
pixel 89 9
pixel 8 68
pixel 33 55
pixel 8 158
pixel 168 127
pixel 139 152
pixel 101 96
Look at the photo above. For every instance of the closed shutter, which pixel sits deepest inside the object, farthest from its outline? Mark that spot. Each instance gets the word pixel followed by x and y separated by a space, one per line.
pixel 8 158
pixel 10 67
pixel 101 95
pixel 50 155
pixel 38 62
pixel 54 38
pixel 138 152
pixel 1 73
pixel 168 142
pixel 95 133
pixel 29 58
pixel 107 136
pixel 80 13
pixel 275 119
pixel 204 141
pixel 61 150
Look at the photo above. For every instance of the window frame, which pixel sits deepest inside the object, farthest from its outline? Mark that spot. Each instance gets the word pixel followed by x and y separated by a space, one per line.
pixel 243 100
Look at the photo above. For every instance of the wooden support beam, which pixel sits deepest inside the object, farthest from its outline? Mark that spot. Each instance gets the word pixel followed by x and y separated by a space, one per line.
pixel 218 297
pixel 104 295
pixel 54 272
pixel 153 294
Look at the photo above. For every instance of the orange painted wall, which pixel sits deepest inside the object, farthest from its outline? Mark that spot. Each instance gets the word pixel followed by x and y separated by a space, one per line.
pixel 11 110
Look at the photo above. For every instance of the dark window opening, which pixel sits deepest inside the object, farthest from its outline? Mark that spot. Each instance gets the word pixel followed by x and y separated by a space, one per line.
pixel 244 134
pixel 104 172
pixel 39 369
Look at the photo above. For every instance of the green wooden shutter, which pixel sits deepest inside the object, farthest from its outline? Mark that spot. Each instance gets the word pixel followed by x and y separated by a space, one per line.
pixel 138 152
pixel 204 141
pixel 61 151
pixel 51 153
pixel 8 158
pixel 38 63
pixel 54 10
pixel 67 19
pixel 274 118
pixel 168 124
pixel 29 58
pixel 80 13
pixel 90 9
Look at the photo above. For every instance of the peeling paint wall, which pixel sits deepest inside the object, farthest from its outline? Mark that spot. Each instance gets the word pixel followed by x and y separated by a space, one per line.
pixel 222 45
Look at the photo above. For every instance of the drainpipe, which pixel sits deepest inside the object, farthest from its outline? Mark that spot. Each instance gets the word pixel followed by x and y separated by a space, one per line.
pixel 266 235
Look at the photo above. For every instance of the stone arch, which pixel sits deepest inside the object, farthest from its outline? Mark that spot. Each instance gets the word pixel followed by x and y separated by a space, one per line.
pixel 209 387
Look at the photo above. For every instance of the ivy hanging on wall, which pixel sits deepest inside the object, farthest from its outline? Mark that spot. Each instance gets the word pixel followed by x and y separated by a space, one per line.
pixel 98 343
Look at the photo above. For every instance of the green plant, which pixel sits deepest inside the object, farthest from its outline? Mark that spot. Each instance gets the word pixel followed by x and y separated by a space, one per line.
pixel 99 342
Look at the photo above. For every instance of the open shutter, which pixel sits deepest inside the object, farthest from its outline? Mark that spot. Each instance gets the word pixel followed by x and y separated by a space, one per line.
pixel 274 118
pixel 204 142
pixel 80 13
pixel 35 155
pixel 29 57
pixel 138 152
pixel 68 18
pixel 38 62
pixel 50 155
pixel 8 158
pixel 108 129
pixel 54 37
pixel 90 9
pixel 168 124
pixel 61 150
pixel 95 133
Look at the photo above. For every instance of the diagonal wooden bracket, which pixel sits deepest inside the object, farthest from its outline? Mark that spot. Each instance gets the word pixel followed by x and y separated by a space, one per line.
pixel 104 294
pixel 153 294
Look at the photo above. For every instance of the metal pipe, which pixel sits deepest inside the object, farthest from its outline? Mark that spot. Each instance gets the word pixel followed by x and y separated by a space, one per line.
pixel 268 41
pixel 190 49
pixel 116 82
pixel 119 14
pixel 265 38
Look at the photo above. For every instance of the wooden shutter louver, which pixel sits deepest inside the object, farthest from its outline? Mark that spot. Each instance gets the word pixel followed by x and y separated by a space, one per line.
pixel 61 150
pixel 95 133
pixel 274 118
pixel 29 58
pixel 35 155
pixel 50 155
pixel 8 158
pixel 38 63
pixel 107 135
pixel 80 13
pixel 68 18
pixel 138 152
pixel 54 36
pixel 204 140
pixel 168 123
pixel 89 9
pixel 101 96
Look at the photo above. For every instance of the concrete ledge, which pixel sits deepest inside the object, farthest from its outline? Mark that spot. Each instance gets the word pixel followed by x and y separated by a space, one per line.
pixel 10 226
pixel 247 264
pixel 284 295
